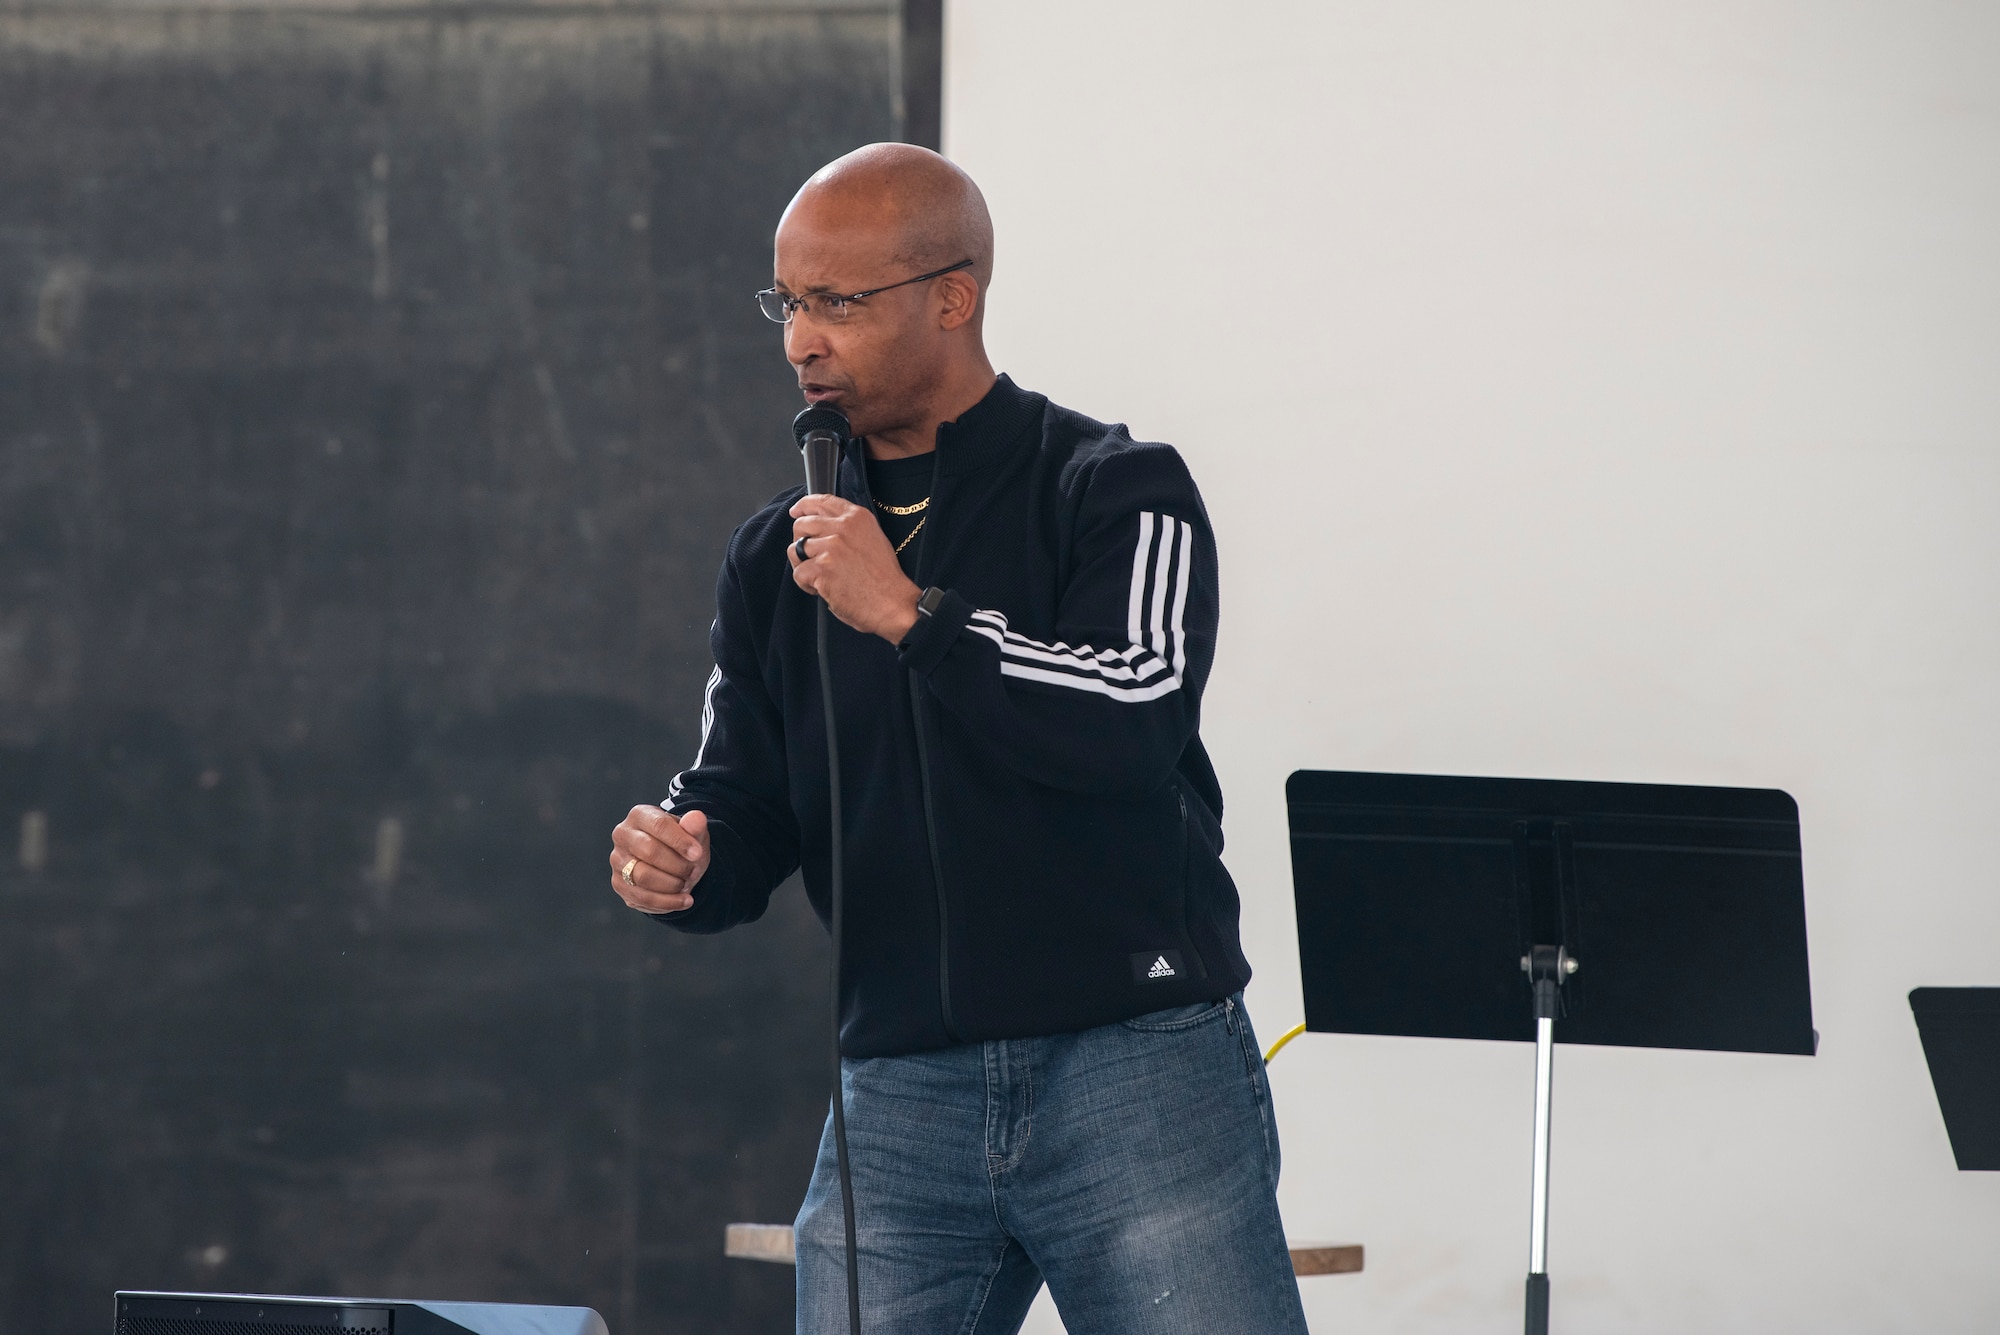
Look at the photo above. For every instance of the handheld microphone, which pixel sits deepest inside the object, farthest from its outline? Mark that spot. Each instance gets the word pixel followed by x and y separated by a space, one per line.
pixel 822 434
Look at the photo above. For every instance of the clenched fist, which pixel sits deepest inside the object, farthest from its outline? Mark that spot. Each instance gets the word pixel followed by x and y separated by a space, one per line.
pixel 656 858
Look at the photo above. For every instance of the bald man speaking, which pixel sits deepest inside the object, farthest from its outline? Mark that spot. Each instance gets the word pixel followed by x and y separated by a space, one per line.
pixel 1047 1071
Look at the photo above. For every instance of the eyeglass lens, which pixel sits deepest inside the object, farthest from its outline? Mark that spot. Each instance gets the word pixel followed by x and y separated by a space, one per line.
pixel 821 305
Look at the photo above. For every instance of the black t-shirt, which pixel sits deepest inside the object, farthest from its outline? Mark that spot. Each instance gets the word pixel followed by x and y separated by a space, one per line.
pixel 902 483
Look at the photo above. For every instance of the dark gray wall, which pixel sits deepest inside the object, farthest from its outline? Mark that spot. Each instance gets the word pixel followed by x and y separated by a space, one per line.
pixel 378 387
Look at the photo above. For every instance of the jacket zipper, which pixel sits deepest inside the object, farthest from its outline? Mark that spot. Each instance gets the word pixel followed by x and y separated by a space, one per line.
pixel 937 863
pixel 1187 853
pixel 930 824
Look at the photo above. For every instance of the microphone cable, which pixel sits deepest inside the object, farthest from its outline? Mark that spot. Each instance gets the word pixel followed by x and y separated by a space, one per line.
pixel 838 897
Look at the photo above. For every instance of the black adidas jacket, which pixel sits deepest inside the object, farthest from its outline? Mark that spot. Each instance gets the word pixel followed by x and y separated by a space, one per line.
pixel 1032 827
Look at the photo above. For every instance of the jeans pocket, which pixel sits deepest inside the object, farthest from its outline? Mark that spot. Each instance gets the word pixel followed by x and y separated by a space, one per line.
pixel 1177 1018
pixel 1260 1093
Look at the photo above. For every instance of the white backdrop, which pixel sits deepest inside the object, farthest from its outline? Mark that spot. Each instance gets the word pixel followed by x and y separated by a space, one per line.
pixel 1581 390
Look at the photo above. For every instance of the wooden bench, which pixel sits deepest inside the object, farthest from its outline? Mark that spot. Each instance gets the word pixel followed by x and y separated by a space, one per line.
pixel 774 1242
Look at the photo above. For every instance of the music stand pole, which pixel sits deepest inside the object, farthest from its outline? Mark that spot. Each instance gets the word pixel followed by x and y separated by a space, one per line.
pixel 1546 967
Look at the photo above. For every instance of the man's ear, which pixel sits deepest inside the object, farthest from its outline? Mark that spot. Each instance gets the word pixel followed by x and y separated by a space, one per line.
pixel 961 299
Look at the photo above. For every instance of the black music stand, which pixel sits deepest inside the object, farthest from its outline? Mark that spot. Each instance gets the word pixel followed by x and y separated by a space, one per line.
pixel 1960 1028
pixel 1639 915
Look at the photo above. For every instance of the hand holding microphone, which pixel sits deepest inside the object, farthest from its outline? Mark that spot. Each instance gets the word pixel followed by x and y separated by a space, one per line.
pixel 838 552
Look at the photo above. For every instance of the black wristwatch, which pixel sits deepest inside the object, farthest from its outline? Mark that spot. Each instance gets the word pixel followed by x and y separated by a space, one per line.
pixel 928 603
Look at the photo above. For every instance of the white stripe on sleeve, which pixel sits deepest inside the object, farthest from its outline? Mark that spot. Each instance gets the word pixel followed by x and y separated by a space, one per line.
pixel 1162 567
pixel 677 783
pixel 1180 602
pixel 1138 597
pixel 1152 663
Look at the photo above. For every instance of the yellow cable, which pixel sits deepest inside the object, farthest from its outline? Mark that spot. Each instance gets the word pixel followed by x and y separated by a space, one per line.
pixel 1283 1039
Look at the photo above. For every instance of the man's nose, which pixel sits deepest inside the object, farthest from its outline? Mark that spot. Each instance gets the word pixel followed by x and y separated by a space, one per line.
pixel 804 340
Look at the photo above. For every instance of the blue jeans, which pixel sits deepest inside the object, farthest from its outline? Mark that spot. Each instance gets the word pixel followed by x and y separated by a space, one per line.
pixel 1133 1166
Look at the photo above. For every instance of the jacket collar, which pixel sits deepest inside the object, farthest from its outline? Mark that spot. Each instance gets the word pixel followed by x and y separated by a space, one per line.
pixel 989 430
pixel 984 433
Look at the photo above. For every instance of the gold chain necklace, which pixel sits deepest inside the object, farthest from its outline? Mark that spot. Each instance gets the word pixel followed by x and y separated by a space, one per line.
pixel 904 512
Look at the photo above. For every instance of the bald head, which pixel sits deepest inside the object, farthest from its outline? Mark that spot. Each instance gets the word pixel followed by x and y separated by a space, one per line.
pixel 917 206
pixel 907 355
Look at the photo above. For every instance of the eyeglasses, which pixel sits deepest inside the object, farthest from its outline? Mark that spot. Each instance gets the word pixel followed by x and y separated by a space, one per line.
pixel 780 308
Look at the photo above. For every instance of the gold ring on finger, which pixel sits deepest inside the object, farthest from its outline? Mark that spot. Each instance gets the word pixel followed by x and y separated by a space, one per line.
pixel 626 873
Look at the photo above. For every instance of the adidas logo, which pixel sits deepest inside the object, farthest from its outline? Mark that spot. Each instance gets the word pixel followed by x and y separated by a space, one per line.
pixel 1160 969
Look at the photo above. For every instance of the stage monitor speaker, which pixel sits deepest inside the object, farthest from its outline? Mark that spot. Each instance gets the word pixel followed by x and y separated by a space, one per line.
pixel 261 1314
